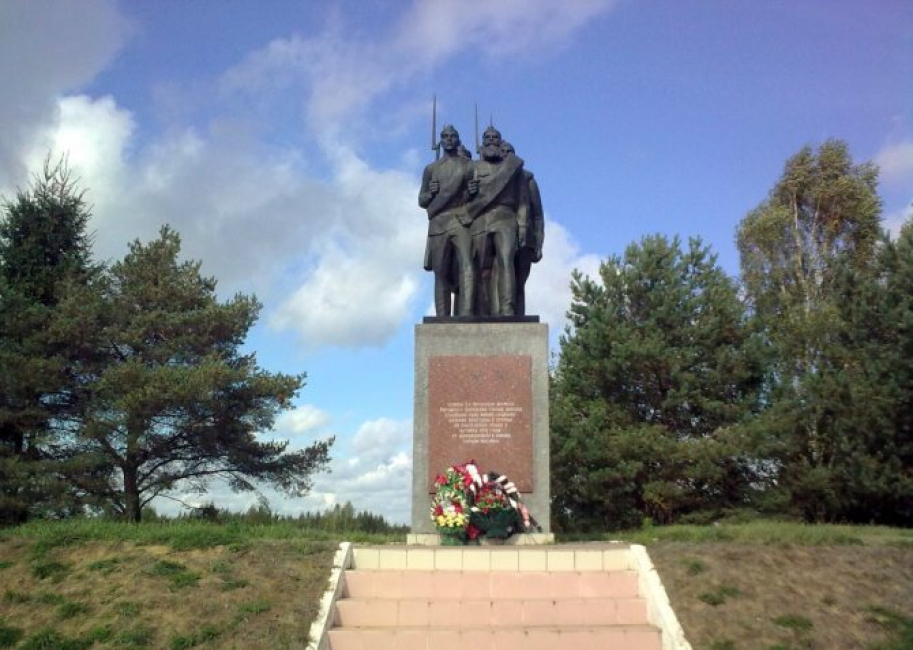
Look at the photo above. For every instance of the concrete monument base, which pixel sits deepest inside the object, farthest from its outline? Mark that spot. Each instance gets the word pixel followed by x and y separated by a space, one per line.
pixel 523 539
pixel 481 393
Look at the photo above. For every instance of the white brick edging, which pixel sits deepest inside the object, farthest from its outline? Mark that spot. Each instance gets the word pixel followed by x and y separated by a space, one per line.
pixel 317 638
pixel 659 610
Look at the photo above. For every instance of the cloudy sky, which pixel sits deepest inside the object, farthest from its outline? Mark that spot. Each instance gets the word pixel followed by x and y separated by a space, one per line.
pixel 285 141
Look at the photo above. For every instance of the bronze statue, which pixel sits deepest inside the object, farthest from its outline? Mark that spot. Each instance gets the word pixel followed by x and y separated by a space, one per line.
pixel 448 252
pixel 485 224
pixel 499 203
pixel 531 234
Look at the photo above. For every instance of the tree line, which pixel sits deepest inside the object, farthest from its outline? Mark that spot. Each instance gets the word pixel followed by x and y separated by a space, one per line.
pixel 684 395
pixel 340 518
pixel 122 382
pixel 680 393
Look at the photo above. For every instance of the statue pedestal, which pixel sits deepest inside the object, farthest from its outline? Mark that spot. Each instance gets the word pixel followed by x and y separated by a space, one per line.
pixel 481 393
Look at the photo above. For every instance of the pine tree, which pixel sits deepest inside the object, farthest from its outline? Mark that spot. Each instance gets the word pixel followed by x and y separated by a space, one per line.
pixel 171 402
pixel 656 370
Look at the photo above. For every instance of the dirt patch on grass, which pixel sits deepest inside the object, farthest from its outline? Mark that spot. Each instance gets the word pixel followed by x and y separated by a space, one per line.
pixel 747 597
pixel 261 596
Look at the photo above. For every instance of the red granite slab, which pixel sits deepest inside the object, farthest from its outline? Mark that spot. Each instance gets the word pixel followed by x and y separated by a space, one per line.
pixel 480 408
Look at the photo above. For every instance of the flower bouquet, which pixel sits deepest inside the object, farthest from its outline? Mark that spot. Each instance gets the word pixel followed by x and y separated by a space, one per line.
pixel 467 505
pixel 451 517
pixel 493 514
pixel 450 505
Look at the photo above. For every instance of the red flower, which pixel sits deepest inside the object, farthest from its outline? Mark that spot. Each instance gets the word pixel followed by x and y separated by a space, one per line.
pixel 440 480
pixel 457 508
pixel 472 532
pixel 438 510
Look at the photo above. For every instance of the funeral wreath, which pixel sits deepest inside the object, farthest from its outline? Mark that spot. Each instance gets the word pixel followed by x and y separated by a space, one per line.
pixel 468 505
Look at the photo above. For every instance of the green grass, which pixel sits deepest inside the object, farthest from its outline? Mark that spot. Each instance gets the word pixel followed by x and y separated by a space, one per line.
pixel 203 635
pixel 48 598
pixel 216 561
pixel 255 606
pixel 139 637
pixel 13 596
pixel 798 624
pixel 179 535
pixel 764 532
pixel 221 567
pixel 48 639
pixel 56 571
pixel 100 634
pixel 900 628
pixel 133 581
pixel 72 609
pixel 801 629
pixel 723 644
pixel 127 608
pixel 176 573
pixel 105 567
pixel 9 635
pixel 230 584
pixel 719 595
pixel 694 566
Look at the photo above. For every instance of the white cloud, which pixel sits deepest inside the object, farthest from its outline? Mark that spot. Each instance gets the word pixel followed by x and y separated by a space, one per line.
pixel 895 160
pixel 335 254
pixel 250 214
pixel 437 29
pixel 341 76
pixel 301 420
pixel 548 291
pixel 48 48
pixel 365 279
pixel 894 221
pixel 374 440
pixel 376 478
pixel 93 136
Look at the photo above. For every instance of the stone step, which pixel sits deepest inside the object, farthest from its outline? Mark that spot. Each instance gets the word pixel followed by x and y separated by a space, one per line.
pixel 618 637
pixel 573 597
pixel 463 614
pixel 466 585
pixel 612 557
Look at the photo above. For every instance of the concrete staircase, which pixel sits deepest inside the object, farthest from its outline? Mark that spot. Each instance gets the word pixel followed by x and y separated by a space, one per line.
pixel 491 598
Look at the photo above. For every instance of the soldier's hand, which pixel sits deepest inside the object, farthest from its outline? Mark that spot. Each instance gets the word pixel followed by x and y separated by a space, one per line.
pixel 474 186
pixel 537 255
pixel 434 187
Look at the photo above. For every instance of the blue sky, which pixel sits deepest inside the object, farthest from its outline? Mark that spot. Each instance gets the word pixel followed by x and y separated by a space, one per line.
pixel 285 142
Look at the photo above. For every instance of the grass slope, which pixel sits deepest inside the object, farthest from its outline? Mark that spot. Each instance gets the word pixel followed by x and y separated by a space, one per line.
pixel 784 586
pixel 79 585
pixel 762 585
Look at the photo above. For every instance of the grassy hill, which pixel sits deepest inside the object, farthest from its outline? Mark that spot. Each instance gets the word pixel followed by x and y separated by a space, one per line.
pixel 171 586
pixel 778 586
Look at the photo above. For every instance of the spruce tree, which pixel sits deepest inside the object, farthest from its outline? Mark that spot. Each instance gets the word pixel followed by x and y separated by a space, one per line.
pixel 44 249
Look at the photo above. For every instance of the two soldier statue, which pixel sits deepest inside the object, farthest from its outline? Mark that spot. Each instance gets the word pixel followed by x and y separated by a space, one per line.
pixel 485 227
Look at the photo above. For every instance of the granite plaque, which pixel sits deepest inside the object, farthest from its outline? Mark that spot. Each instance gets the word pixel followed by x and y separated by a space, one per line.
pixel 480 408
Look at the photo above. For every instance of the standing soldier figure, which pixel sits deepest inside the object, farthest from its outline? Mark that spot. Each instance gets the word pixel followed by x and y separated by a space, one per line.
pixel 531 235
pixel 449 248
pixel 499 204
